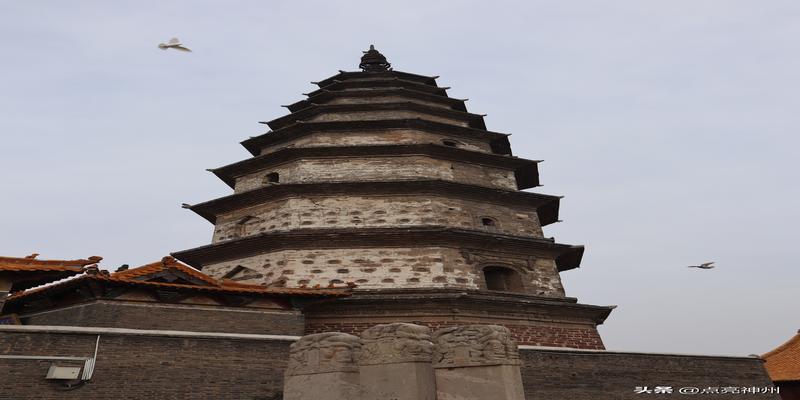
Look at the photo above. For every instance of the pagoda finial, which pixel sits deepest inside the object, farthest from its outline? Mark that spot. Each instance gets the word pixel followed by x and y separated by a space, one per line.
pixel 373 60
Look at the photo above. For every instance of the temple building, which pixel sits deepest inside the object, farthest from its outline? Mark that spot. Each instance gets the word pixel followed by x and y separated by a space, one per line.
pixel 378 214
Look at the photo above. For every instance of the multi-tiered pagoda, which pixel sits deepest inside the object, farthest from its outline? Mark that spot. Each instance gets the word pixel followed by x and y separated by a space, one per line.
pixel 380 181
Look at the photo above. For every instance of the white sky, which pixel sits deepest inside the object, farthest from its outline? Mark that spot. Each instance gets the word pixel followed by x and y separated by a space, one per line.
pixel 670 127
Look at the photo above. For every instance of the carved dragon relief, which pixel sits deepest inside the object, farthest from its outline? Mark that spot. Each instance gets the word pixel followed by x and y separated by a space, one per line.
pixel 395 343
pixel 474 345
pixel 322 353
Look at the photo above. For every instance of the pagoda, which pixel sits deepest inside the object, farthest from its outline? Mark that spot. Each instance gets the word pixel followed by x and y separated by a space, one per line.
pixel 380 181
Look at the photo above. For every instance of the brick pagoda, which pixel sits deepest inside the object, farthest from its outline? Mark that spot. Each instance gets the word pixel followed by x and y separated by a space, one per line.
pixel 380 181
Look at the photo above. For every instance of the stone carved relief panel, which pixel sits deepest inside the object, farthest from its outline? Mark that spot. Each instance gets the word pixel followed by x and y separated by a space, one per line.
pixel 395 343
pixel 322 353
pixel 474 345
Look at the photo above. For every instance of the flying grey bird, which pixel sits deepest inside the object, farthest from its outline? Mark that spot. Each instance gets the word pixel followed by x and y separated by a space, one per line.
pixel 706 265
pixel 173 43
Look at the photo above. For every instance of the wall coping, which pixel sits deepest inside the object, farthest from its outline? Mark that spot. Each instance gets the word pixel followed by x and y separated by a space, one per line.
pixel 140 332
pixel 250 336
pixel 640 353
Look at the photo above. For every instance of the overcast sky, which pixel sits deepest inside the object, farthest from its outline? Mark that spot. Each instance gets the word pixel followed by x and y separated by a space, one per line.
pixel 670 126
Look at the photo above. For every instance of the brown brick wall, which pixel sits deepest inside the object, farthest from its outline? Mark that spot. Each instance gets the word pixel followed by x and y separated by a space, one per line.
pixel 537 335
pixel 564 375
pixel 145 367
pixel 117 314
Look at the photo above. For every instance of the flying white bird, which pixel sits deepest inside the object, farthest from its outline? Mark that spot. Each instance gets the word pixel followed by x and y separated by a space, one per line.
pixel 706 265
pixel 173 43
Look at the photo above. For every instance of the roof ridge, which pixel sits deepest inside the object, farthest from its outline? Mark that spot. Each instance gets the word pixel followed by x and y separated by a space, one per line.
pixel 32 260
pixel 166 263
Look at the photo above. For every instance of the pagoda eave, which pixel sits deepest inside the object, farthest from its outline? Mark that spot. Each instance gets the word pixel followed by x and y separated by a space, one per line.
pixel 526 171
pixel 473 120
pixel 567 256
pixel 445 300
pixel 379 83
pixel 499 141
pixel 325 96
pixel 347 75
pixel 547 206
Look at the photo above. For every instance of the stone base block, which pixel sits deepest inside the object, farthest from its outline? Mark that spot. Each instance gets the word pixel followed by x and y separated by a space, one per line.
pixel 329 385
pixel 496 382
pixel 400 381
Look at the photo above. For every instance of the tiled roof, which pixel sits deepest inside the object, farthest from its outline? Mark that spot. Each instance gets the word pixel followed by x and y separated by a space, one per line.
pixel 30 263
pixel 137 277
pixel 28 272
pixel 783 363
pixel 238 288
pixel 166 263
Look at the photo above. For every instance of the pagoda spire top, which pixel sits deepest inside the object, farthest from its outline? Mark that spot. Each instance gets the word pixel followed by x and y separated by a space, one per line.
pixel 373 60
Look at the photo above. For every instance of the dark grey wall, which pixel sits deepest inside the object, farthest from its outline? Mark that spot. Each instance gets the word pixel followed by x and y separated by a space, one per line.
pixel 575 375
pixel 121 314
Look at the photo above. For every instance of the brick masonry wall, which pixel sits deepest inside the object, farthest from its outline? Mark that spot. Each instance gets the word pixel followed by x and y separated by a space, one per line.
pixel 358 169
pixel 375 212
pixel 382 137
pixel 412 267
pixel 561 375
pixel 381 115
pixel 145 367
pixel 120 314
pixel 342 99
pixel 533 334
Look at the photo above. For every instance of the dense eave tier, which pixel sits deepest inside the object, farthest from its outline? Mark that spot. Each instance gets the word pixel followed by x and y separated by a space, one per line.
pixel 351 75
pixel 326 96
pixel 546 205
pixel 525 171
pixel 472 120
pixel 379 83
pixel 567 256
pixel 499 141
pixel 463 301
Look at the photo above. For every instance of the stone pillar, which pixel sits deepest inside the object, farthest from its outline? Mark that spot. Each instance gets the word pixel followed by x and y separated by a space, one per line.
pixel 476 362
pixel 395 363
pixel 323 367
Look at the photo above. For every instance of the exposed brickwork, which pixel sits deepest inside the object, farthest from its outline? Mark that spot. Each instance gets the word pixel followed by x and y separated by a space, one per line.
pixel 381 115
pixel 118 314
pixel 561 375
pixel 381 169
pixel 537 335
pixel 409 267
pixel 392 136
pixel 374 212
pixel 382 99
pixel 145 367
